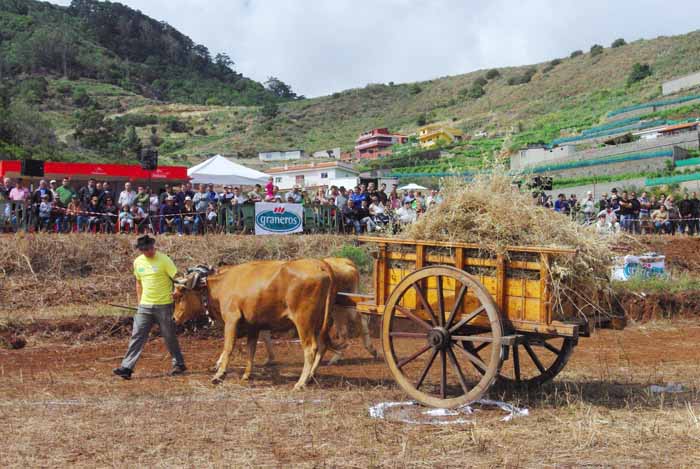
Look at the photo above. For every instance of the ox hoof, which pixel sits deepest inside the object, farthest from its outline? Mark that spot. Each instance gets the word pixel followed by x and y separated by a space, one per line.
pixel 217 380
pixel 335 359
pixel 245 377
pixel 299 387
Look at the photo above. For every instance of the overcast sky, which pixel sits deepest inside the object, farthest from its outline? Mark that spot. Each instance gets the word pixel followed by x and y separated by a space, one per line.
pixel 322 46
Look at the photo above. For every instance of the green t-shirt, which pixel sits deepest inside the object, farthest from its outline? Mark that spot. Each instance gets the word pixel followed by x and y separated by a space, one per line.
pixel 156 275
pixel 64 195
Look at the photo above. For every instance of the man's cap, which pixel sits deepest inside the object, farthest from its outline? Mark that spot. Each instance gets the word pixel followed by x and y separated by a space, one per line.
pixel 614 189
pixel 74 196
pixel 188 198
pixel 170 197
pixel 145 242
pixel 45 196
pixel 53 181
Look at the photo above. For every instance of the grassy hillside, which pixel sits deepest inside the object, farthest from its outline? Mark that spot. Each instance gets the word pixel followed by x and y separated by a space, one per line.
pixel 204 108
pixel 559 100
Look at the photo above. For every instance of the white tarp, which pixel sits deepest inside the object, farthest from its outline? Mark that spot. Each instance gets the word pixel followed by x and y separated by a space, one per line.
pixel 271 218
pixel 219 170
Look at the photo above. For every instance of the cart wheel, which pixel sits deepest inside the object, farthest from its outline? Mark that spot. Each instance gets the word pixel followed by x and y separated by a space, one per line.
pixel 423 346
pixel 533 360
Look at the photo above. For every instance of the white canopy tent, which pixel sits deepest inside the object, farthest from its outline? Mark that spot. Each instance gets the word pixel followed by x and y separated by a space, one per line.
pixel 413 187
pixel 219 170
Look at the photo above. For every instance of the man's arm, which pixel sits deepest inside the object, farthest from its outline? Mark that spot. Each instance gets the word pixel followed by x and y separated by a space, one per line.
pixel 139 289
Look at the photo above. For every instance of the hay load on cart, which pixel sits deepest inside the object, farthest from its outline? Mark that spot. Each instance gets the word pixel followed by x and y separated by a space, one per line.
pixel 490 211
pixel 486 287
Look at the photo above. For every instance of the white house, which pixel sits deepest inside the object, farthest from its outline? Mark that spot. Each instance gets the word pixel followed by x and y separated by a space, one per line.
pixel 280 155
pixel 330 153
pixel 313 175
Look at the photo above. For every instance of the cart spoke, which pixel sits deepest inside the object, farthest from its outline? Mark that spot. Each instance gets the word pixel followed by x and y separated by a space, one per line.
pixel 551 347
pixel 473 358
pixel 407 360
pixel 443 373
pixel 427 368
pixel 441 301
pixel 407 312
pixel 480 348
pixel 516 362
pixel 458 370
pixel 409 335
pixel 465 320
pixel 425 304
pixel 534 357
pixel 457 305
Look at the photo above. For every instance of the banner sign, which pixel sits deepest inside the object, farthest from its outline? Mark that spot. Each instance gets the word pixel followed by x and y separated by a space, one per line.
pixel 271 218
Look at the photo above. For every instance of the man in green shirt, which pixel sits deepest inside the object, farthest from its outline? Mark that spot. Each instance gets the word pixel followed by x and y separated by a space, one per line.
pixel 154 272
pixel 65 193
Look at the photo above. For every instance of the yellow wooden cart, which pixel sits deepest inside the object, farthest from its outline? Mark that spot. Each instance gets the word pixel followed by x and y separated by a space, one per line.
pixel 456 317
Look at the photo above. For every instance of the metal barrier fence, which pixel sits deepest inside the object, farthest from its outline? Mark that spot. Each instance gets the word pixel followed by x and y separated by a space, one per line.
pixel 15 216
pixel 234 219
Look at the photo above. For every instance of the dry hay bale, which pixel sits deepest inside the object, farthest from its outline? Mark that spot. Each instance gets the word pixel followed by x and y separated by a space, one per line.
pixel 492 212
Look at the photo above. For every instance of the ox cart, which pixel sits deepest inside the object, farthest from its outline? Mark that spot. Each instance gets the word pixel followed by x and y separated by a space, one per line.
pixel 456 318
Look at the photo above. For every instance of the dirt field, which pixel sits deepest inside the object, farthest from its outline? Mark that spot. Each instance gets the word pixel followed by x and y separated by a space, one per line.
pixel 60 405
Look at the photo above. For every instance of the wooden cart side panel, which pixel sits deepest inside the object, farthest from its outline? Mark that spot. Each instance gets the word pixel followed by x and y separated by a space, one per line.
pixel 522 298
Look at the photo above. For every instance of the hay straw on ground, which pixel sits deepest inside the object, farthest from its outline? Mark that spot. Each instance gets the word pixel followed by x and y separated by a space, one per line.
pixel 492 212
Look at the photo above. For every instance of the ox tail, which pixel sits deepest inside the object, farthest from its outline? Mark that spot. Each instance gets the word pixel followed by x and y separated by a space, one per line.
pixel 325 335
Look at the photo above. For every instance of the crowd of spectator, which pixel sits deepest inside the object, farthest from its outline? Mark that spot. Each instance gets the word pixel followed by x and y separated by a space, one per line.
pixel 185 210
pixel 630 212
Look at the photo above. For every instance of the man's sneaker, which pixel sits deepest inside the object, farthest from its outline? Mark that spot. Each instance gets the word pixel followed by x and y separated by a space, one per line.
pixel 178 370
pixel 123 372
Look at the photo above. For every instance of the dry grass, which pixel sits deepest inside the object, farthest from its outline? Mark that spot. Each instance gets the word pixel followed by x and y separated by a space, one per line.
pixel 43 271
pixel 490 211
pixel 60 407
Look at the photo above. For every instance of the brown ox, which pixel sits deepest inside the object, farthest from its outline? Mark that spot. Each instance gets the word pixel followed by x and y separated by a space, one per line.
pixel 347 279
pixel 265 295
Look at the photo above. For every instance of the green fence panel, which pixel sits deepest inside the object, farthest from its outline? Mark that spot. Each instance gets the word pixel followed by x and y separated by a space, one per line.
pixel 668 102
pixel 672 179
pixel 611 125
pixel 605 133
pixel 688 162
pixel 600 161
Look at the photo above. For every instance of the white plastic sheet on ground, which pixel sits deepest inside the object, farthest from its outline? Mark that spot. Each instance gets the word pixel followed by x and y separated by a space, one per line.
pixel 670 387
pixel 444 416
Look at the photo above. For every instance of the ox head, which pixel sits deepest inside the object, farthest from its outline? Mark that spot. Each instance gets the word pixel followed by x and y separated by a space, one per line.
pixel 189 292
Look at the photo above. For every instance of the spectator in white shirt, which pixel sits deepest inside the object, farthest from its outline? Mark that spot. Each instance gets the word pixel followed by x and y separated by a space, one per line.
pixel 406 214
pixel 588 207
pixel 127 196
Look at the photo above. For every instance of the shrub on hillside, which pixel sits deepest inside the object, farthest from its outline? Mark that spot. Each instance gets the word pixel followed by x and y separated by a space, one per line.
pixel 139 120
pixel 596 49
pixel 493 73
pixel 524 78
pixel 415 88
pixel 475 91
pixel 421 120
pixel 173 124
pixel 638 73
pixel 481 81
pixel 33 90
pixel 270 110
pixel 81 98
pixel 576 53
pixel 618 43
